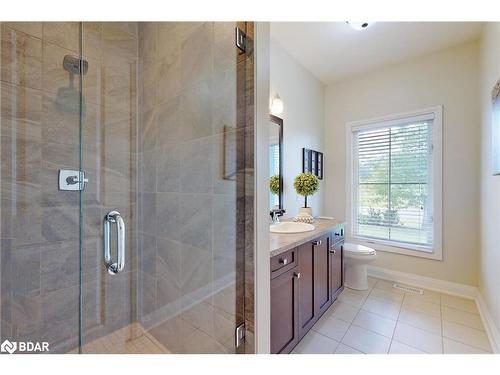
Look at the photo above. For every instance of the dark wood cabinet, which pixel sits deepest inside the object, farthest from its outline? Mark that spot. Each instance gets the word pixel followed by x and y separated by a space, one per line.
pixel 322 275
pixel 306 288
pixel 285 311
pixel 304 283
pixel 336 267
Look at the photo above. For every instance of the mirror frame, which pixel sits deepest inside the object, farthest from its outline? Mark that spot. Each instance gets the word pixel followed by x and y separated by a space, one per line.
pixel 279 121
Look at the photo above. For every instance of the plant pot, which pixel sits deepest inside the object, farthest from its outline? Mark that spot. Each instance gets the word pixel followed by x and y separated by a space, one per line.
pixel 304 215
pixel 305 211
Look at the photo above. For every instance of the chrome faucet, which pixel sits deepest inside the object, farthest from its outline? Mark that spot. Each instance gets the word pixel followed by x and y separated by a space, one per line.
pixel 275 213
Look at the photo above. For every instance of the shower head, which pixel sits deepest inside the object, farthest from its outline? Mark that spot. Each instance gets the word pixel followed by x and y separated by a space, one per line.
pixel 70 99
pixel 75 65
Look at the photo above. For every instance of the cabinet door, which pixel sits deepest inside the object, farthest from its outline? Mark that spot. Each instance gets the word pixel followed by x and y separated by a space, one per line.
pixel 336 268
pixel 306 288
pixel 284 311
pixel 322 293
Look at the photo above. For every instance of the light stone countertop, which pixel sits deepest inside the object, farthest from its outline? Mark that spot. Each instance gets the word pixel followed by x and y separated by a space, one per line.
pixel 279 243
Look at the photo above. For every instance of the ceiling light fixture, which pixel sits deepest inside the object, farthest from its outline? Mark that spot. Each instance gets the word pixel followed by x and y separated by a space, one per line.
pixel 360 25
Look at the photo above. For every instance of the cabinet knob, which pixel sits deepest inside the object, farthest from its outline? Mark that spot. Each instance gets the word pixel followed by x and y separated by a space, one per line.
pixel 332 250
pixel 297 275
pixel 317 243
pixel 284 261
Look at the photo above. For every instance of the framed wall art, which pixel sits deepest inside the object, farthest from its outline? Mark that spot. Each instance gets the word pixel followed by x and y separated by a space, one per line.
pixel 312 162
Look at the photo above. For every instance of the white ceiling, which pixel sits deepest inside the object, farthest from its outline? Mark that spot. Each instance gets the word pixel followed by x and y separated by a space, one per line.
pixel 333 51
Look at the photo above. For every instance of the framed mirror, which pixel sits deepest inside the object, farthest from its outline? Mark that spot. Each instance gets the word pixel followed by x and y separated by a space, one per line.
pixel 275 163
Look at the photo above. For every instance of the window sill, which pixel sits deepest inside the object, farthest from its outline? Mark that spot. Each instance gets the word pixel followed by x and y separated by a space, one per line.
pixel 385 246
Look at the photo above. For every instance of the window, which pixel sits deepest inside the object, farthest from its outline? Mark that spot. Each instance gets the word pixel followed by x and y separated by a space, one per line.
pixel 395 184
pixel 274 169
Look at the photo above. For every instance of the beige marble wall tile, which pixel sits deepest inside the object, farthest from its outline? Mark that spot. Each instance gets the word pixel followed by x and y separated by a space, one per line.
pixel 224 100
pixel 30 28
pixel 117 42
pixel 21 58
pixel 63 34
pixel 21 111
pixel 92 34
pixel 197 55
pixel 224 50
pixel 197 111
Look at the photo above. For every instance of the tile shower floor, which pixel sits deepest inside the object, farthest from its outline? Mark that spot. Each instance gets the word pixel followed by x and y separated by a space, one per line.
pixel 383 319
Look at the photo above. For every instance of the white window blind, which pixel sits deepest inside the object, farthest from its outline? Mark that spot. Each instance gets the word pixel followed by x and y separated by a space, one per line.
pixel 392 181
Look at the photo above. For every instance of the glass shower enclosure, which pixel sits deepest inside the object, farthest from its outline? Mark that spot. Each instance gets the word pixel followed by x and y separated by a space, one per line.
pixel 126 186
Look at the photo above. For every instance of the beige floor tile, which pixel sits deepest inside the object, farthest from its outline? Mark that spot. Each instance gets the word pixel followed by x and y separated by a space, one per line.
pixel 420 320
pixel 418 338
pixel 455 347
pixel 466 335
pixel 390 295
pixel 366 341
pixel 344 349
pixel 331 326
pixel 459 303
pixel 315 343
pixel 385 308
pixel 400 348
pixel 384 285
pixel 343 311
pixel 375 323
pixel 425 307
pixel 354 297
pixel 371 282
pixel 428 296
pixel 461 317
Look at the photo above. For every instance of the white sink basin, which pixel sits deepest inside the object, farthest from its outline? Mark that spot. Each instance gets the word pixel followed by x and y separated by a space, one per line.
pixel 291 227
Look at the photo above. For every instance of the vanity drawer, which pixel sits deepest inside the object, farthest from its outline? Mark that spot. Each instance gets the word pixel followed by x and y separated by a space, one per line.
pixel 283 262
pixel 338 234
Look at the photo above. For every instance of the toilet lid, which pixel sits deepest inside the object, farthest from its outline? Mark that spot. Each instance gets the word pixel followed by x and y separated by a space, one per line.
pixel 358 249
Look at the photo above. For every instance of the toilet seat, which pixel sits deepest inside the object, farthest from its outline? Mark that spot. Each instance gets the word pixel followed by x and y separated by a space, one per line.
pixel 357 250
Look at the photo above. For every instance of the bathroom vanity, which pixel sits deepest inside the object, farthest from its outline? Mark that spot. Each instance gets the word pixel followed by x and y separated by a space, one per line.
pixel 306 277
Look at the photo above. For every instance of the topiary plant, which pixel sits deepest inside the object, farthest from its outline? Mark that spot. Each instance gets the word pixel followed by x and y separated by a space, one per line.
pixel 306 184
pixel 274 184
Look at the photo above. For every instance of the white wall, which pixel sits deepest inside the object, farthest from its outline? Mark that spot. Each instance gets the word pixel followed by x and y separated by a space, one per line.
pixel 448 78
pixel 303 117
pixel 489 258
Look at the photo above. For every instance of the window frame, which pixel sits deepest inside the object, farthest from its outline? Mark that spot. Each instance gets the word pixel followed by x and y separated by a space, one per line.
pixel 436 252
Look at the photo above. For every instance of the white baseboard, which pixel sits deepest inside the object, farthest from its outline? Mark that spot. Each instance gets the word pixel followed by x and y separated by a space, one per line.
pixel 456 289
pixel 448 287
pixel 489 324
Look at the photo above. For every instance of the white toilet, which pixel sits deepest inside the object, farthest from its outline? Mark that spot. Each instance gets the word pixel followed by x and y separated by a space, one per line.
pixel 356 258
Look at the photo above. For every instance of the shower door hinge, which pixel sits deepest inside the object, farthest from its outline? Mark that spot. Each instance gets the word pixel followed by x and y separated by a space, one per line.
pixel 239 335
pixel 241 40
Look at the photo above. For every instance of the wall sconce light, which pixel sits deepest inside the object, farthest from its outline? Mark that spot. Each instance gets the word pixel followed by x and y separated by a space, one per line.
pixel 276 105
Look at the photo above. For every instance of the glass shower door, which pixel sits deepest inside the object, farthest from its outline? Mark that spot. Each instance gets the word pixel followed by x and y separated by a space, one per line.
pixel 163 147
pixel 39 228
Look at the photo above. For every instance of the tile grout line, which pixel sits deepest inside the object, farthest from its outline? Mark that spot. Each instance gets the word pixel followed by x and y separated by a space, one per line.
pixel 352 323
pixel 397 321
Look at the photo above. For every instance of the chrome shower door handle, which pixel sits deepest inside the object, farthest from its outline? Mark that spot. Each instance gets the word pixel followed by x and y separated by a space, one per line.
pixel 114 267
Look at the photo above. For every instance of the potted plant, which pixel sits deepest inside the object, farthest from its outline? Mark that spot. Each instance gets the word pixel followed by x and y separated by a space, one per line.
pixel 305 184
pixel 274 184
